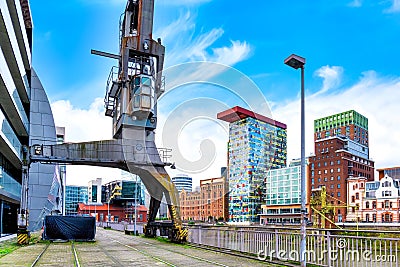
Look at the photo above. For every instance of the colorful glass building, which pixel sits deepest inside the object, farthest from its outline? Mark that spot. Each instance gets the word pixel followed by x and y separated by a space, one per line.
pixel 256 145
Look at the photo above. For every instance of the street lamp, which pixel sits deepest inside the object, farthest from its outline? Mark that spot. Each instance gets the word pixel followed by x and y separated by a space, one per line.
pixel 296 62
pixel 108 206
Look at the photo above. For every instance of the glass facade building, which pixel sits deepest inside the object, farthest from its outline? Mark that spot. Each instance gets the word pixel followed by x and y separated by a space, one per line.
pixel 183 181
pixel 256 145
pixel 15 101
pixel 73 196
pixel 283 186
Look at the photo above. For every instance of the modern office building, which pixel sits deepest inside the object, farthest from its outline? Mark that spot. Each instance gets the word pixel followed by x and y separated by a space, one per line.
pixel 26 119
pixel 340 155
pixel 393 172
pixel 183 181
pixel 95 191
pixel 125 193
pixel 283 195
pixel 74 195
pixel 256 145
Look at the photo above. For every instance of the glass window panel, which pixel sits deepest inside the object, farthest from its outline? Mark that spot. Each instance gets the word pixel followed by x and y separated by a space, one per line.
pixel 136 102
pixel 146 90
pixel 146 81
pixel 146 101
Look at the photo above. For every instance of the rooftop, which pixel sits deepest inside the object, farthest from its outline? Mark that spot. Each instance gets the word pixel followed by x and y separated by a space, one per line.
pixel 237 113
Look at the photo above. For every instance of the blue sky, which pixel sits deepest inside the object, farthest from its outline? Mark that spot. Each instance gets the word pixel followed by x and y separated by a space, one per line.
pixel 351 48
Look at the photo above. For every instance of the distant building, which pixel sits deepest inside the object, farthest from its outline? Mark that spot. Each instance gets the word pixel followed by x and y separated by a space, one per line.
pixel 374 202
pixel 130 192
pixel 116 212
pixel 60 135
pixel 393 172
pixel 183 181
pixel 210 203
pixel 214 199
pixel 74 195
pixel 341 152
pixel 256 145
pixel 191 205
pixel 349 123
pixel 283 195
pixel 94 191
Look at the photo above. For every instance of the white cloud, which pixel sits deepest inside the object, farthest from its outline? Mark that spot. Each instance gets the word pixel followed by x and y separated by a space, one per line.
pixel 237 52
pixel 331 77
pixel 184 44
pixel 375 97
pixel 395 7
pixel 84 125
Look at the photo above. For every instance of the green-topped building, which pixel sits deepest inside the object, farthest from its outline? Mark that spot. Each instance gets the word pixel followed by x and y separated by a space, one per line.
pixel 349 123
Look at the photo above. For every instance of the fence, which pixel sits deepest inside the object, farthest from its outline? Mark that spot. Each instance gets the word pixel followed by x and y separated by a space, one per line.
pixel 323 248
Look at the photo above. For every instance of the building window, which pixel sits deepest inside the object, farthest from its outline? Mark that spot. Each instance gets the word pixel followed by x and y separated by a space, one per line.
pixel 386 193
pixel 374 204
pixel 338 194
pixel 357 196
pixel 338 178
pixel 338 186
pixel 326 179
pixel 338 169
pixel 367 205
pixel 387 205
pixel 312 181
pixel 352 199
pixel 374 218
pixel 367 217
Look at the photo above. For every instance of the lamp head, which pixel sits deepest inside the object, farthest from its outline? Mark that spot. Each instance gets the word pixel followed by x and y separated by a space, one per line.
pixel 295 61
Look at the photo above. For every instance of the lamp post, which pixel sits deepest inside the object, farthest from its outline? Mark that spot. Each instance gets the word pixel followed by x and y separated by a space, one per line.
pixel 136 188
pixel 297 62
pixel 108 206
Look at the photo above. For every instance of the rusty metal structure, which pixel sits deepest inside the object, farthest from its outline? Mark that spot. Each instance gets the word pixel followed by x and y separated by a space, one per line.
pixel 133 88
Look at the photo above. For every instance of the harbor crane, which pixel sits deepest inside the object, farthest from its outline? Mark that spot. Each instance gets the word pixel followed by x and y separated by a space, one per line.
pixel 133 88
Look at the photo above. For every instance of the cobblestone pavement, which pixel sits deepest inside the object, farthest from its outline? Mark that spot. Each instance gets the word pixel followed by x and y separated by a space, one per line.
pixel 113 248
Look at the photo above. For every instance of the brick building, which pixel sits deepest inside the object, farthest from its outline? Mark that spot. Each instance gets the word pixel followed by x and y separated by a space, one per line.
pixel 190 204
pixel 208 204
pixel 341 152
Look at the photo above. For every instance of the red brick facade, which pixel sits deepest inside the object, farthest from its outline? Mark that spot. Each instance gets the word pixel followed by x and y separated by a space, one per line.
pixel 208 204
pixel 331 166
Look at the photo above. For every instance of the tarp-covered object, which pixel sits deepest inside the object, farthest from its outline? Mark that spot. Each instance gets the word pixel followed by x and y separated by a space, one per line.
pixel 69 228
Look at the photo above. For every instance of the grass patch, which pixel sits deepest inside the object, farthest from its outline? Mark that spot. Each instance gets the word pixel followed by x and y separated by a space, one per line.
pixel 8 246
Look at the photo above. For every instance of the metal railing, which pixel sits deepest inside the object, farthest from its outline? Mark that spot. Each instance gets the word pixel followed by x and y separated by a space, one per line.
pixel 323 248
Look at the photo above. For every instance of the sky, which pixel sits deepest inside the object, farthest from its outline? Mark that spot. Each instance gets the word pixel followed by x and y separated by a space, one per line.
pixel 220 54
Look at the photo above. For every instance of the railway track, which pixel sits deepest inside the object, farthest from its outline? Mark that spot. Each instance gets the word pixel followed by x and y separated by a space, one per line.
pixel 161 253
pixel 48 256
